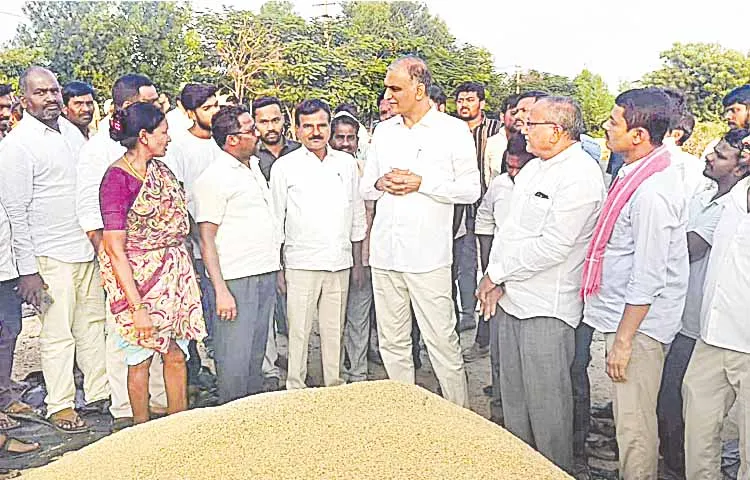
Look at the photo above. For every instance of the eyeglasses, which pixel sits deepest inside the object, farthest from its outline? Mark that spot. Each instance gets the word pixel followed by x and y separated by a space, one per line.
pixel 253 132
pixel 533 124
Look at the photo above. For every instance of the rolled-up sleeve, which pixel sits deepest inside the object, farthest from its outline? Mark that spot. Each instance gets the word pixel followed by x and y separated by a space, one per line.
pixel 464 187
pixel 16 188
pixel 654 221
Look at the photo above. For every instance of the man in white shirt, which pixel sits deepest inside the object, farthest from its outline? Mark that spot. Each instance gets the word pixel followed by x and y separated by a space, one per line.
pixel 315 201
pixel 189 153
pixel 78 105
pixel 420 164
pixel 491 214
pixel 717 375
pixel 94 159
pixel 497 144
pixel 643 260
pixel 345 137
pixel 177 118
pixel 53 256
pixel 6 102
pixel 240 243
pixel 535 274
pixel 724 167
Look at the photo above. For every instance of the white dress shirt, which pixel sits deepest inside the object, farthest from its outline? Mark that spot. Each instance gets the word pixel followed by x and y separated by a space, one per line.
pixel 318 206
pixel 95 158
pixel 8 269
pixel 726 302
pixel 539 255
pixel 414 233
pixel 188 156
pixel 691 170
pixel 494 150
pixel 38 189
pixel 495 206
pixel 704 214
pixel 238 200
pixel 646 259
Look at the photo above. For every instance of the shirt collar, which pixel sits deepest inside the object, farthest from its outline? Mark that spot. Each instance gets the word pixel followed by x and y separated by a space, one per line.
pixel 562 156
pixel 428 120
pixel 629 167
pixel 233 162
pixel 738 194
pixel 38 126
pixel 262 146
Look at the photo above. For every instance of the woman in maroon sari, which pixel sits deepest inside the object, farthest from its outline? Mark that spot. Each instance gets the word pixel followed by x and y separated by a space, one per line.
pixel 146 268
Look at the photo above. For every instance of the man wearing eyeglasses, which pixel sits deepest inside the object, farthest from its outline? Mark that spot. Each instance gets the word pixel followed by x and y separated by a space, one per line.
pixel 535 274
pixel 240 243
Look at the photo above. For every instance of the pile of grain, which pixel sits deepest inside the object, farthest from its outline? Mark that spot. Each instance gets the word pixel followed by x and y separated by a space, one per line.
pixel 372 430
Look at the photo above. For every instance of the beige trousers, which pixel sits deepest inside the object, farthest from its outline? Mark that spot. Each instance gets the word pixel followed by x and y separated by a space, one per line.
pixel 72 331
pixel 635 408
pixel 323 295
pixel 117 375
pixel 714 380
pixel 431 296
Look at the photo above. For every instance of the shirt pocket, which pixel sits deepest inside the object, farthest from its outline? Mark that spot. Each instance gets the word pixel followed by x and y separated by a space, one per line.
pixel 534 213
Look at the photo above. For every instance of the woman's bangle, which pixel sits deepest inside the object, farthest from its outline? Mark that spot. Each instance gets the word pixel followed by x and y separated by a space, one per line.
pixel 137 306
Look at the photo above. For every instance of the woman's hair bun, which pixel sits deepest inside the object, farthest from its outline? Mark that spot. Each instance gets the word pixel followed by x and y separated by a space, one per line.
pixel 117 125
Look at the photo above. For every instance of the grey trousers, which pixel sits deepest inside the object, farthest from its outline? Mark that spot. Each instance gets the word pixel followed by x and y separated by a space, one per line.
pixel 357 328
pixel 535 359
pixel 240 344
pixel 465 257
pixel 496 404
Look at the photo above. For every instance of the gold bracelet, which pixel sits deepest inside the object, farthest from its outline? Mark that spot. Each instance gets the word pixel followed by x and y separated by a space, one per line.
pixel 137 306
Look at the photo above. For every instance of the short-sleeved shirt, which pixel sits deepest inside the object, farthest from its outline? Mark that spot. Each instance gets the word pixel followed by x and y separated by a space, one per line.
pixel 705 213
pixel 117 193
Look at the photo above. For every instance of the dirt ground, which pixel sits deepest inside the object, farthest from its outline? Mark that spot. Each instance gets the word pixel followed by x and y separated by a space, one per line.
pixel 27 360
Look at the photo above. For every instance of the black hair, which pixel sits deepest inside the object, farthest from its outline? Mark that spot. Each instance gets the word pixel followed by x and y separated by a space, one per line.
pixel 511 101
pixel 437 95
pixel 265 102
pixel 686 123
pixel 76 89
pixel 738 95
pixel 474 87
pixel 647 108
pixel 5 90
pixel 308 107
pixel 225 122
pixel 348 108
pixel 127 123
pixel 127 88
pixel 194 95
pixel 735 136
pixel 346 120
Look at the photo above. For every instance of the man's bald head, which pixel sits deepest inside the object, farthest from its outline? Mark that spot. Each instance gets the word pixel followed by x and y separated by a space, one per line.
pixel 41 95
pixel 407 82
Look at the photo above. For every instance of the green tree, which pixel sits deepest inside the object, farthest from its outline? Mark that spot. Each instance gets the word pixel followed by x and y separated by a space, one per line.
pixel 594 98
pixel 14 61
pixel 705 72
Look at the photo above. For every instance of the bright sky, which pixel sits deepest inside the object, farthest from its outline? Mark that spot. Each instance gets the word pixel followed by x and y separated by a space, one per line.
pixel 619 40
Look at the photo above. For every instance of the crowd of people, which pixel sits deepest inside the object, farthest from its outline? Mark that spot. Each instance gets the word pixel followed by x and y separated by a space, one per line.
pixel 208 223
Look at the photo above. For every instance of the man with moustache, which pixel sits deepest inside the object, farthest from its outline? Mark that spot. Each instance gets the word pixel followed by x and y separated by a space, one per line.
pixel 470 103
pixel 385 111
pixel 421 163
pixel 95 157
pixel 736 112
pixel 53 256
pixel 533 279
pixel 726 166
pixel 272 144
pixel 78 105
pixel 240 244
pixel 6 102
pixel 316 202
pixel 189 153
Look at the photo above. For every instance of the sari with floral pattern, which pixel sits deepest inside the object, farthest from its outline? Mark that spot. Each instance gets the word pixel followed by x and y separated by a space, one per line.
pixel 157 227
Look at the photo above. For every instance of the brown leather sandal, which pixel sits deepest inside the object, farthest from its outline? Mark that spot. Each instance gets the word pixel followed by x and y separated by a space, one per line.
pixel 68 421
